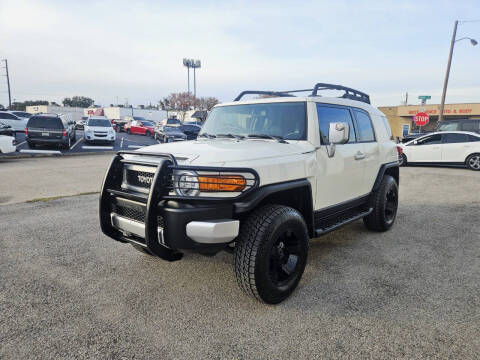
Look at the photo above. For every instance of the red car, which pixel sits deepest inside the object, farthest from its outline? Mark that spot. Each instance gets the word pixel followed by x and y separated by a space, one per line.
pixel 141 127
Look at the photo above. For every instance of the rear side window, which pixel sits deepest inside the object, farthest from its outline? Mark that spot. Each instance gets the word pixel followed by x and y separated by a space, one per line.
pixel 472 138
pixel 364 126
pixel 448 126
pixel 452 138
pixel 387 127
pixel 45 122
pixel 330 114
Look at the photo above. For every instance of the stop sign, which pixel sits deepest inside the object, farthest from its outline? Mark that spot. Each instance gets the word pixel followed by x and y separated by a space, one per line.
pixel 421 119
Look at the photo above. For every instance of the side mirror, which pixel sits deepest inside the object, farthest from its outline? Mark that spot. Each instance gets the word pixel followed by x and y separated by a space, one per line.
pixel 415 142
pixel 338 133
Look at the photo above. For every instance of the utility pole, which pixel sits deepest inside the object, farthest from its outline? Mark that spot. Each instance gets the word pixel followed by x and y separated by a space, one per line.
pixel 8 85
pixel 447 74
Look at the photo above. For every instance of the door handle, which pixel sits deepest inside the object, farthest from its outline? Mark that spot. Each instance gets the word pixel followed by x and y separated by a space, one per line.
pixel 359 156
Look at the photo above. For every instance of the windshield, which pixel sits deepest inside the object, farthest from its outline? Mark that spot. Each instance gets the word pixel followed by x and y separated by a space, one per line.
pixel 138 118
pixel 173 121
pixel 99 122
pixel 285 120
pixel 170 128
pixel 147 123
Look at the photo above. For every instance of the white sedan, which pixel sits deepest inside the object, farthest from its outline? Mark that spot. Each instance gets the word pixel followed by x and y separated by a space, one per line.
pixel 446 147
pixel 7 144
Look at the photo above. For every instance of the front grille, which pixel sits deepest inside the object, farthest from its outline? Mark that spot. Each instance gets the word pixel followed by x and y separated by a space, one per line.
pixel 136 213
pixel 139 178
pixel 132 212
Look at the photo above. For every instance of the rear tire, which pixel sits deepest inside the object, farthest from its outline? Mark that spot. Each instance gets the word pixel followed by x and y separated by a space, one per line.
pixel 385 203
pixel 271 253
pixel 141 249
pixel 473 162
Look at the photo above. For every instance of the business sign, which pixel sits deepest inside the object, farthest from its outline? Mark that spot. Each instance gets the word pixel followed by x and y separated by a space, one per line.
pixel 421 119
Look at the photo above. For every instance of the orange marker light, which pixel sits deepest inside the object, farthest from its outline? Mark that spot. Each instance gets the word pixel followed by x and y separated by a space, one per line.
pixel 221 183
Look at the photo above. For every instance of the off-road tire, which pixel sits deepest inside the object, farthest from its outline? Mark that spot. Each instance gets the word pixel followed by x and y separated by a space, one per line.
pixel 141 249
pixel 259 241
pixel 471 163
pixel 384 207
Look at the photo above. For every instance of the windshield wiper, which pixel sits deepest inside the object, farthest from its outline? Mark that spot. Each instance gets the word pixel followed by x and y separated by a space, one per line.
pixel 238 137
pixel 265 136
pixel 209 136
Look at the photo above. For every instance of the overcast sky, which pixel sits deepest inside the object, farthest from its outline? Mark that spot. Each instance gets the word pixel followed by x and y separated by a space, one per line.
pixel 133 49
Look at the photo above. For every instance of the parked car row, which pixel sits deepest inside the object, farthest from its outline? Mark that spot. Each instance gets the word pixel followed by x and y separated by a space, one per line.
pixel 50 129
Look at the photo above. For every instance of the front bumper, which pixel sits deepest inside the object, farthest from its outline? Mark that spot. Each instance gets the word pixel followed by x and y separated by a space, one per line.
pixel 164 224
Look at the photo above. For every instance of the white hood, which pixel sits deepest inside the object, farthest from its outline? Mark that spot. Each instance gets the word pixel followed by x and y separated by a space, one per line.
pixel 217 152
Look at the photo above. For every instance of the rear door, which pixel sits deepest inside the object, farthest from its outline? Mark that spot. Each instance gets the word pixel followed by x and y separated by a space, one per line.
pixel 339 178
pixel 44 128
pixel 455 147
pixel 371 151
pixel 426 149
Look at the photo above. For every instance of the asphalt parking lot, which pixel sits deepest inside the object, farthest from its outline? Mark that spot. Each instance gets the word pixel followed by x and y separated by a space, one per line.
pixel 67 291
pixel 123 141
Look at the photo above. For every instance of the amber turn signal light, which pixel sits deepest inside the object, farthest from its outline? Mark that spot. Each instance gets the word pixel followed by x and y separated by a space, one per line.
pixel 221 183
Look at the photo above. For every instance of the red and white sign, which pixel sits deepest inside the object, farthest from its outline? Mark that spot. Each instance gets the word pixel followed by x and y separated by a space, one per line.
pixel 421 119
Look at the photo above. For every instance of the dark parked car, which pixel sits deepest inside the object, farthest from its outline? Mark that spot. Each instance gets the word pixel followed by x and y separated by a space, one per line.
pixel 6 129
pixel 80 124
pixel 190 130
pixel 169 134
pixel 50 129
pixel 472 125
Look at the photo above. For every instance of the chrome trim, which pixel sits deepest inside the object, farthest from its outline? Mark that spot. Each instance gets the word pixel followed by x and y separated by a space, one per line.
pixel 128 227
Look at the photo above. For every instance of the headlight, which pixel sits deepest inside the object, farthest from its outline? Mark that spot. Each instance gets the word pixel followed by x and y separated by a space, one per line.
pixel 186 183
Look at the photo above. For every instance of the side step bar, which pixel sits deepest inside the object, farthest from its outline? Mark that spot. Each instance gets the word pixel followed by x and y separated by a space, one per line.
pixel 332 226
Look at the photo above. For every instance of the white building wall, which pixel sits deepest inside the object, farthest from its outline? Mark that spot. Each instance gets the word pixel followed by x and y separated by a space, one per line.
pixel 116 112
pixel 73 113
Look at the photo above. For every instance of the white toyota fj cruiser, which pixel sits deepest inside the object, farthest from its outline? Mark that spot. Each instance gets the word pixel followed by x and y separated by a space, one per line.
pixel 263 177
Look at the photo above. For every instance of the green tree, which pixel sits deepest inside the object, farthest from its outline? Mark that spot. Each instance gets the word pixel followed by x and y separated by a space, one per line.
pixel 78 101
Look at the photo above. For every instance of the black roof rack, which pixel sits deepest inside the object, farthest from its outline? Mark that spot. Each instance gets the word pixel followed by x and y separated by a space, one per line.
pixel 350 93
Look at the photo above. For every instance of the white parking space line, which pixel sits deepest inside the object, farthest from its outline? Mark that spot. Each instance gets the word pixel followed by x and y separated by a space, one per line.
pixel 40 151
pixel 136 146
pixel 23 142
pixel 79 140
pixel 98 147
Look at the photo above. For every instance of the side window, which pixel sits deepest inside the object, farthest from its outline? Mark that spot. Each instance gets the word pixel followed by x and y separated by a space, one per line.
pixel 330 114
pixel 8 116
pixel 472 138
pixel 387 127
pixel 452 138
pixel 364 126
pixel 430 140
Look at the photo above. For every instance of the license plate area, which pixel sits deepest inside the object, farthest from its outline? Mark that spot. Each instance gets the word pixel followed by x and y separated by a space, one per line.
pixel 45 134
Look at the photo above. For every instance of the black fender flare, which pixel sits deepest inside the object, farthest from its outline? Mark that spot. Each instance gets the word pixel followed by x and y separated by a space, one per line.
pixel 381 173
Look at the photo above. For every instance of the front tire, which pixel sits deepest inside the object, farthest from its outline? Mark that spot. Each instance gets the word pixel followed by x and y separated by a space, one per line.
pixel 271 253
pixel 385 203
pixel 473 162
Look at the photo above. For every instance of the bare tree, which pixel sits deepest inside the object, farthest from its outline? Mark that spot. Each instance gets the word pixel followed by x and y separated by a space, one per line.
pixel 207 103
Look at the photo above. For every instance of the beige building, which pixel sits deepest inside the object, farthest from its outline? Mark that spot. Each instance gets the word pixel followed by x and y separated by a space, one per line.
pixel 401 117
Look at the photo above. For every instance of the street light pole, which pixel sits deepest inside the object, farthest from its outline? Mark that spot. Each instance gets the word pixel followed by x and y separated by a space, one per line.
pixel 447 74
pixel 8 85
